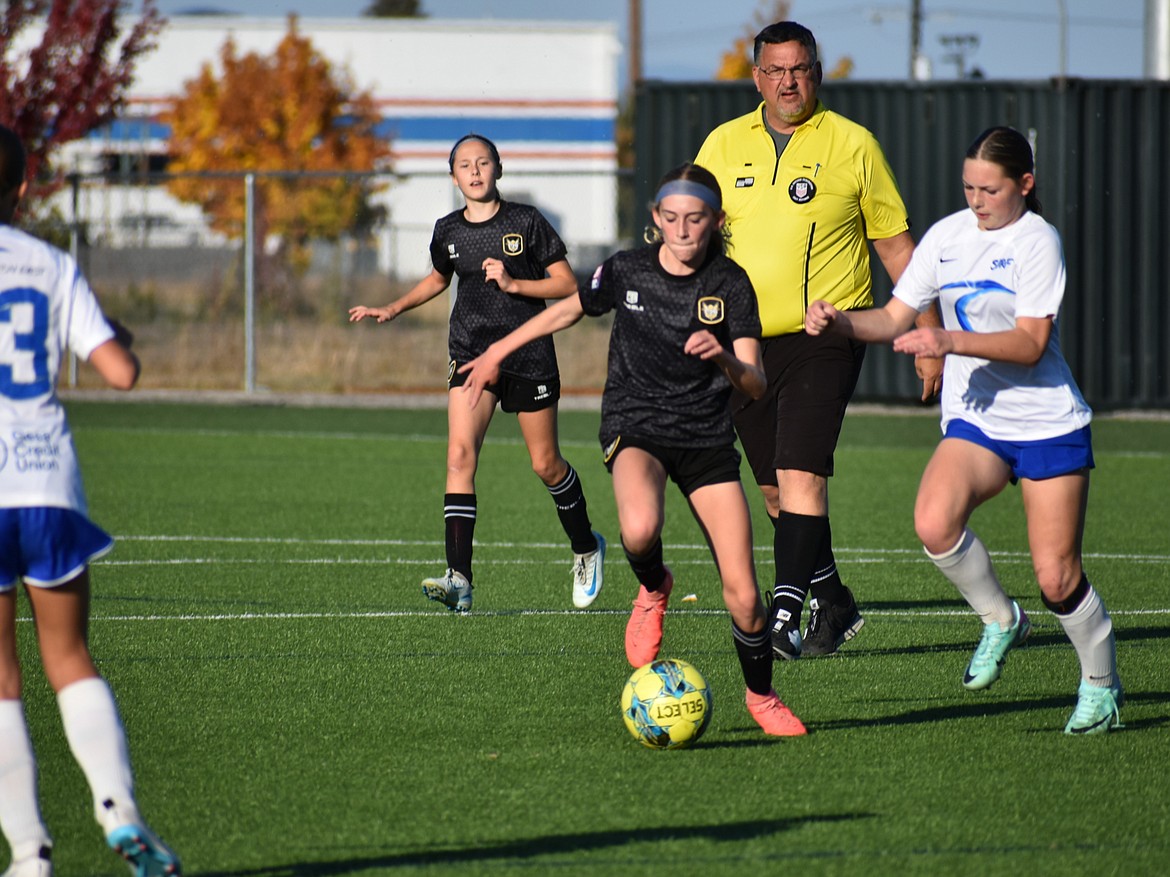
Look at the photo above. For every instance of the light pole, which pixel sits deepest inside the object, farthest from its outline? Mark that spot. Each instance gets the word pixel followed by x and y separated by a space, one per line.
pixel 915 39
pixel 960 44
pixel 1063 4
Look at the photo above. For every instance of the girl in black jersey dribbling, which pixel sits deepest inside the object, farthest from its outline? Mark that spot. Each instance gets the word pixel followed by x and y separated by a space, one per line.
pixel 509 261
pixel 685 330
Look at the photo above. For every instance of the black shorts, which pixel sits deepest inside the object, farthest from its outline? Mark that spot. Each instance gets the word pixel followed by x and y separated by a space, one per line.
pixel 515 393
pixel 798 421
pixel 689 468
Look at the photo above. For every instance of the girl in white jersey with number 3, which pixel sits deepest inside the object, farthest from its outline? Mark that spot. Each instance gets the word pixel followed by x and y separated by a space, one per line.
pixel 47 541
pixel 1011 412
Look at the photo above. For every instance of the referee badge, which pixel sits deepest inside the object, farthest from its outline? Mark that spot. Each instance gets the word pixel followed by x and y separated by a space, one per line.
pixel 513 244
pixel 710 310
pixel 802 190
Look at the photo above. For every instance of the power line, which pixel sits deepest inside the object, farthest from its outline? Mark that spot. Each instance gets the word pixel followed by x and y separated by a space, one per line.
pixel 863 15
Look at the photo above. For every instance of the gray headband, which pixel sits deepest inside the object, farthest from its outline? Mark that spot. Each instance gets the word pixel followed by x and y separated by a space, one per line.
pixel 690 187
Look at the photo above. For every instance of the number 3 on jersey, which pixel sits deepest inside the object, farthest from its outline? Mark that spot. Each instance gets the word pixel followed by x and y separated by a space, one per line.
pixel 24 354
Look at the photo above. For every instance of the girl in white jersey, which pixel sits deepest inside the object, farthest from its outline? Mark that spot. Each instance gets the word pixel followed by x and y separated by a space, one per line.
pixel 47 541
pixel 686 329
pixel 1011 412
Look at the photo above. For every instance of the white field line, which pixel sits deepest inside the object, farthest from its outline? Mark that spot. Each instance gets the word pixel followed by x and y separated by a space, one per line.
pixel 964 614
pixel 413 438
pixel 855 555
pixel 422 438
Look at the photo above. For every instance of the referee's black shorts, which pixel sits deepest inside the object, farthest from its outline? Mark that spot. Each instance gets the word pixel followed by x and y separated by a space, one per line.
pixel 796 424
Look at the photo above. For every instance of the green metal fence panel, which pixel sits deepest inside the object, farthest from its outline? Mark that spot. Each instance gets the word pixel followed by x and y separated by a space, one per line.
pixel 1104 181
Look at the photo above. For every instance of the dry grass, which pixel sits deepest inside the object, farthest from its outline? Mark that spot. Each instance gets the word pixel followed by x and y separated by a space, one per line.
pixel 315 356
pixel 189 331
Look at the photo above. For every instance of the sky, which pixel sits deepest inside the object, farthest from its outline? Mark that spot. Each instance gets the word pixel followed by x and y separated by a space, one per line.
pixel 685 39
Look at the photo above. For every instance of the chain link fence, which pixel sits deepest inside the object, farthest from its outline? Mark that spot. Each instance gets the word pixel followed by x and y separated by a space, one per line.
pixel 233 307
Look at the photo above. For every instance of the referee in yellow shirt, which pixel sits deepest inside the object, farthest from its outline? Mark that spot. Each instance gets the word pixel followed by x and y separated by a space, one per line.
pixel 804 189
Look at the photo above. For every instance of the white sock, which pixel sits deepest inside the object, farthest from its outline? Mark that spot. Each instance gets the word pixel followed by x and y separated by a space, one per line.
pixel 20 815
pixel 968 566
pixel 1090 629
pixel 98 742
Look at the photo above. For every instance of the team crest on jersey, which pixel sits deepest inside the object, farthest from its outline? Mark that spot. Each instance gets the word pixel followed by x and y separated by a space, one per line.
pixel 710 310
pixel 611 449
pixel 513 244
pixel 451 371
pixel 633 301
pixel 802 190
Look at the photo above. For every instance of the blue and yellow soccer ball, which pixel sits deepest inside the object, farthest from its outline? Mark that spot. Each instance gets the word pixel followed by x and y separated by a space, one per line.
pixel 666 704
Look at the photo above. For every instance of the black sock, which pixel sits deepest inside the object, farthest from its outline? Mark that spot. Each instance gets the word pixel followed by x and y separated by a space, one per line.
pixel 755 657
pixel 796 547
pixel 459 525
pixel 827 587
pixel 573 512
pixel 648 569
pixel 1069 604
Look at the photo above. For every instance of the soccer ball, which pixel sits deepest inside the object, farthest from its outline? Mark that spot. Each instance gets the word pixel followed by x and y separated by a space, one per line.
pixel 666 704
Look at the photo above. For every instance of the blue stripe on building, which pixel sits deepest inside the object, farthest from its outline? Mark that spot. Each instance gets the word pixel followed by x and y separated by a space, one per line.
pixel 560 130
pixel 540 129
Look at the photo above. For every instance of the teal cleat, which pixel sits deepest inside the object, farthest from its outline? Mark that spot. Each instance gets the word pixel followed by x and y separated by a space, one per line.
pixel 452 590
pixel 987 662
pixel 129 837
pixel 589 574
pixel 1097 709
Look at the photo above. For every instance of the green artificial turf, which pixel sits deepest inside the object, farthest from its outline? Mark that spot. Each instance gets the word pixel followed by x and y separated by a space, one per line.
pixel 296 708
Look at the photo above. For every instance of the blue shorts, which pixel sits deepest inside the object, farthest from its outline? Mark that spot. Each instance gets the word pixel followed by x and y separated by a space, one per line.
pixel 1045 458
pixel 47 546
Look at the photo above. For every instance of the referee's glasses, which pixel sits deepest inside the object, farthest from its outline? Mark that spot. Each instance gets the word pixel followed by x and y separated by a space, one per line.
pixel 799 72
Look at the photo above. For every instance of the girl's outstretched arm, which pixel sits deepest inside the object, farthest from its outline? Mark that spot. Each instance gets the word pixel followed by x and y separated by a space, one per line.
pixel 1024 344
pixel 872 326
pixel 485 368
pixel 421 293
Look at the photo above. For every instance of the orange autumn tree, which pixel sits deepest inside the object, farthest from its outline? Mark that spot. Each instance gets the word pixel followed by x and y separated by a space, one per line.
pixel 278 116
pixel 737 62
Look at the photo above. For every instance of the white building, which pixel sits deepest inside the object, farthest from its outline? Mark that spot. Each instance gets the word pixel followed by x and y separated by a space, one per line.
pixel 545 93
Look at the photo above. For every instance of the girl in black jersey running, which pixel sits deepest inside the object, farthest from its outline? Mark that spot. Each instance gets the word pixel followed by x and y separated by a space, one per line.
pixel 509 261
pixel 686 329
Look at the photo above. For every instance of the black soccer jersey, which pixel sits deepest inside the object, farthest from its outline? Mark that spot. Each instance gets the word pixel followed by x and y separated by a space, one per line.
pixel 520 237
pixel 653 390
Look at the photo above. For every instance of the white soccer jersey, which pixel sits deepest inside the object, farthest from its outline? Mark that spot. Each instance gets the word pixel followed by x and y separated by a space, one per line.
pixel 983 281
pixel 46 306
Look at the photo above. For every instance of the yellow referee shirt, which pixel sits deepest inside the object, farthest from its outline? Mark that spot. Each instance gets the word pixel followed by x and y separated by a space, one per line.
pixel 799 223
